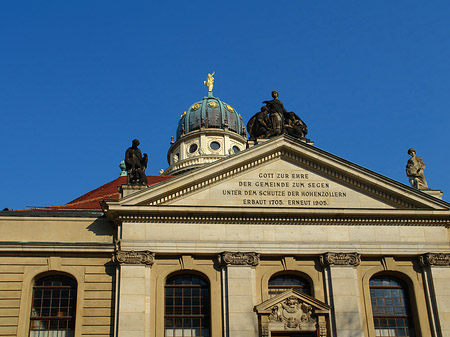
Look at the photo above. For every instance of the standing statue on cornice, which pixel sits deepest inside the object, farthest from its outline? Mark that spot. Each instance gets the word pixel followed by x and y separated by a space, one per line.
pixel 414 171
pixel 136 165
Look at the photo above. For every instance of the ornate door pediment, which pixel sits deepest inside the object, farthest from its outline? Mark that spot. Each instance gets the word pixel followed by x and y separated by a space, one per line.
pixel 292 311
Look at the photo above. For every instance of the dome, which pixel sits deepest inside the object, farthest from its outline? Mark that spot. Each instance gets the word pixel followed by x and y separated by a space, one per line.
pixel 210 113
pixel 207 131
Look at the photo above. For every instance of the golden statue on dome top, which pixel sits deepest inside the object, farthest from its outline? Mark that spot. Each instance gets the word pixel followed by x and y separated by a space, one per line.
pixel 210 81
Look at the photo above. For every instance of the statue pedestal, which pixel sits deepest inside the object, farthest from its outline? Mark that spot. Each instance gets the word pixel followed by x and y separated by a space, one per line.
pixel 126 190
pixel 435 193
pixel 262 140
pixel 257 141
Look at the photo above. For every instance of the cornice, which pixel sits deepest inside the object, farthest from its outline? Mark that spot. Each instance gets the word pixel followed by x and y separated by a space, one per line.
pixel 65 247
pixel 297 217
pixel 288 248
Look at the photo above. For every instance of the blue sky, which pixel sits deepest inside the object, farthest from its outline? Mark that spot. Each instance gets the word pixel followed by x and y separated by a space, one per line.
pixel 81 79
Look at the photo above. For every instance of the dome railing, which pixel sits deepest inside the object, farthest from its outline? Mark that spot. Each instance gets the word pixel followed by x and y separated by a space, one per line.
pixel 193 161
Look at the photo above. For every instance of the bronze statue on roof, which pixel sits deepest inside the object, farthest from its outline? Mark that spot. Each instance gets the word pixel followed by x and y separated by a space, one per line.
pixel 136 163
pixel 273 120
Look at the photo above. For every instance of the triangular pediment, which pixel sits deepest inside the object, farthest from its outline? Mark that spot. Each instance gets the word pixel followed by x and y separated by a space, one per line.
pixel 267 306
pixel 282 183
pixel 292 310
pixel 284 173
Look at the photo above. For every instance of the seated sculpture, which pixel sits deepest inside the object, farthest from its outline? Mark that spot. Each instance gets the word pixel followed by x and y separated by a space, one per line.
pixel 273 120
pixel 294 126
pixel 259 125
pixel 136 165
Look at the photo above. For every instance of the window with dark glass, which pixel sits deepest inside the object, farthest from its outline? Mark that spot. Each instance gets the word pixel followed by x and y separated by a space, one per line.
pixel 283 282
pixel 193 148
pixel 390 307
pixel 53 307
pixel 187 310
pixel 215 145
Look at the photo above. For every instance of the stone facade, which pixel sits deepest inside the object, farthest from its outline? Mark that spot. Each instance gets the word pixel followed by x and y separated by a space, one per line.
pixel 284 208
pixel 35 246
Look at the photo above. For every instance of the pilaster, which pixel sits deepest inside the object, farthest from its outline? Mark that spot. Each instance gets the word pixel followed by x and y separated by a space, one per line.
pixel 240 293
pixel 437 265
pixel 133 292
pixel 344 294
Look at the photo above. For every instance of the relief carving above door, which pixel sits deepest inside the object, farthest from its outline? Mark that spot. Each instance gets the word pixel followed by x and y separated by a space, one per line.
pixel 292 314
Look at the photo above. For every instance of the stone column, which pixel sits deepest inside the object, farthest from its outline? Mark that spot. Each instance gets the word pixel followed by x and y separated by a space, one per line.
pixel 343 292
pixel 239 286
pixel 436 266
pixel 133 291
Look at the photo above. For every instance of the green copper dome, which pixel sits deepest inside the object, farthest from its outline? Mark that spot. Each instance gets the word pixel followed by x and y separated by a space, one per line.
pixel 210 113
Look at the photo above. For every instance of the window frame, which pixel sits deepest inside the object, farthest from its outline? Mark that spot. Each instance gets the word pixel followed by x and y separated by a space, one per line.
pixel 207 316
pixel 415 292
pixel 403 289
pixel 293 274
pixel 72 300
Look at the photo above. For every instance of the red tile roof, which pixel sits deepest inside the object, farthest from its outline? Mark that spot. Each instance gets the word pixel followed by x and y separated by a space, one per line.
pixel 91 200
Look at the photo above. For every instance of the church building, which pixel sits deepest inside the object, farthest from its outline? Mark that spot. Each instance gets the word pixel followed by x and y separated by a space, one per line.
pixel 259 235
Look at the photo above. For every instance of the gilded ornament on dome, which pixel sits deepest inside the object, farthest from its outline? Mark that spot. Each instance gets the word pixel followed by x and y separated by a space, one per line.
pixel 240 117
pixel 183 114
pixel 210 81
pixel 229 108
pixel 212 104
pixel 195 106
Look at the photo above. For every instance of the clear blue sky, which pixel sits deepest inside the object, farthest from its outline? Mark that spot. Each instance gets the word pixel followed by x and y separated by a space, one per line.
pixel 80 79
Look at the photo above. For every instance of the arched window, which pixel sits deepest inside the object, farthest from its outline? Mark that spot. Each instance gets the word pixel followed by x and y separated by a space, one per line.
pixel 390 307
pixel 282 282
pixel 187 308
pixel 53 307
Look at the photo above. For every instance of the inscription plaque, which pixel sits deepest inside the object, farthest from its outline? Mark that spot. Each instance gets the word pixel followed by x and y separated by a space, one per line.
pixel 285 189
pixel 283 184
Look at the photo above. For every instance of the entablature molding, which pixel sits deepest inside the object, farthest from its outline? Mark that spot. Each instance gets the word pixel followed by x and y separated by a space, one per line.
pixel 253 216
pixel 56 247
pixel 288 248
